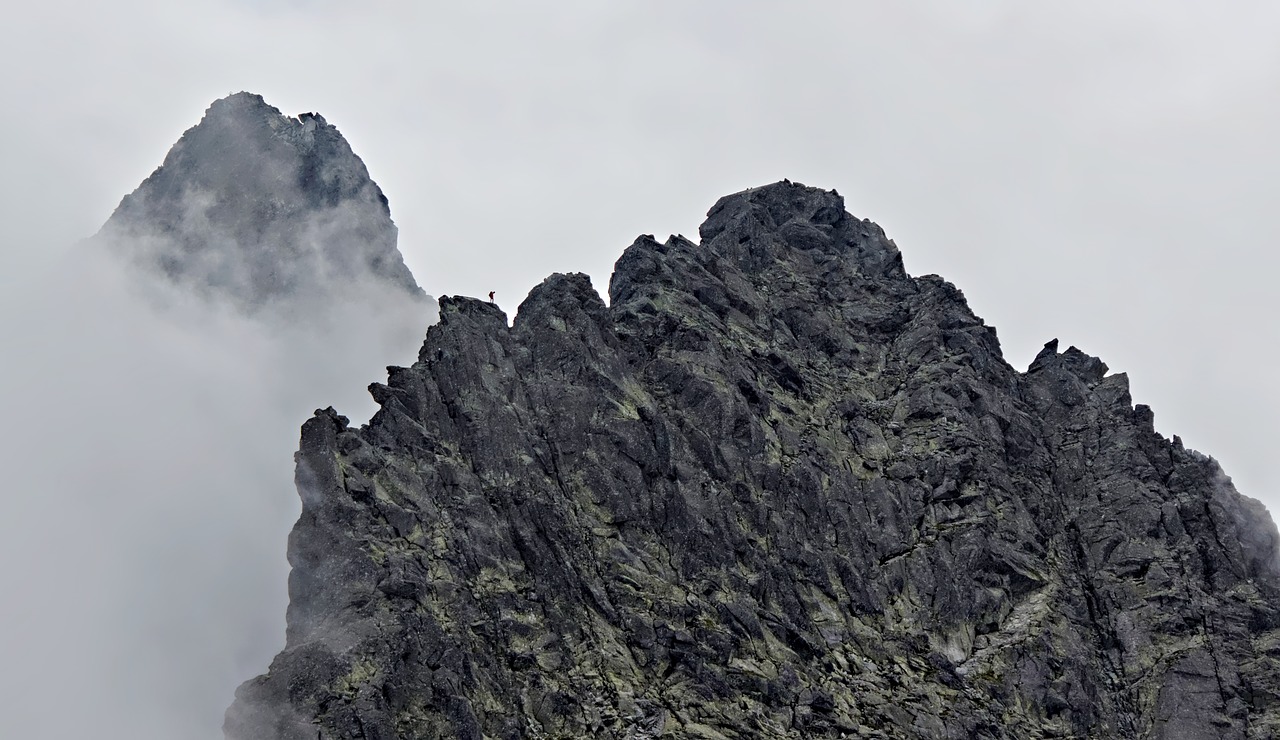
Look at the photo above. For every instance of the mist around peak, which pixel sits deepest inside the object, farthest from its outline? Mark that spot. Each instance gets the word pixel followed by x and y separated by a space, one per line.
pixel 159 373
pixel 265 210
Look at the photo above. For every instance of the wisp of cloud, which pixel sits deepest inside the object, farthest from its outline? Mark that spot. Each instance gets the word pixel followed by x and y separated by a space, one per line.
pixel 151 489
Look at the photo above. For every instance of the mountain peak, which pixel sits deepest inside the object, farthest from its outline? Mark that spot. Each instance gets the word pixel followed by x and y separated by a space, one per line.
pixel 776 488
pixel 258 207
pixel 752 225
pixel 243 100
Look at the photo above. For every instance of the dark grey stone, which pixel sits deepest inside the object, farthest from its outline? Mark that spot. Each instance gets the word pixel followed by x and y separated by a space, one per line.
pixel 777 488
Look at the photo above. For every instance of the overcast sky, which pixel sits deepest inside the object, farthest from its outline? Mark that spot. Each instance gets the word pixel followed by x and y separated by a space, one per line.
pixel 1100 172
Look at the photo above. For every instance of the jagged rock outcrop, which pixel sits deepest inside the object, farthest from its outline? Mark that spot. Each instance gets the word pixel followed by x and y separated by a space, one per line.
pixel 260 209
pixel 776 488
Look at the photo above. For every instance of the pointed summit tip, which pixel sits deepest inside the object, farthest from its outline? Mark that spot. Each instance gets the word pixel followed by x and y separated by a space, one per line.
pixel 774 205
pixel 259 207
pixel 242 98
pixel 240 104
pixel 1048 352
pixel 760 225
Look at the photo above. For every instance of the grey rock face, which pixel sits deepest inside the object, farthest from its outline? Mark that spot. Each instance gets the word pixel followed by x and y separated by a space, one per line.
pixel 259 208
pixel 777 488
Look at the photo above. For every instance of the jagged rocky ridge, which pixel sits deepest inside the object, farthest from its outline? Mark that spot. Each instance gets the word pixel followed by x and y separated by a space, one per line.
pixel 262 209
pixel 777 488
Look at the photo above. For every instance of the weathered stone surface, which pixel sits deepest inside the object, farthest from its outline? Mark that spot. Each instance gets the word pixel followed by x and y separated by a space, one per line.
pixel 260 208
pixel 777 488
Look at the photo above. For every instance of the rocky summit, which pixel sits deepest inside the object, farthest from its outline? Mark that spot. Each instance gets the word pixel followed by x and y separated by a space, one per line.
pixel 776 488
pixel 259 209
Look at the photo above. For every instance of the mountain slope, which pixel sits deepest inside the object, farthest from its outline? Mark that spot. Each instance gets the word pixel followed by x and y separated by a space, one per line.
pixel 777 488
pixel 260 208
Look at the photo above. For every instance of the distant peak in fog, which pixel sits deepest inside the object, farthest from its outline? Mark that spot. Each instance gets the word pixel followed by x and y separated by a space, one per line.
pixel 261 208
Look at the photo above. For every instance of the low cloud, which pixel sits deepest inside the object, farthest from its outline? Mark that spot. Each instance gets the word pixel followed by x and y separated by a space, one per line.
pixel 150 487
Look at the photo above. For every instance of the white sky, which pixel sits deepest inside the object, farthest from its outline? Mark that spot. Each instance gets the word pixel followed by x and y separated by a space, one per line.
pixel 1100 172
